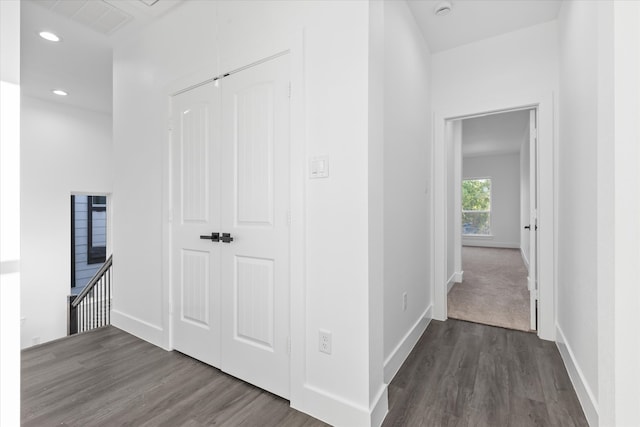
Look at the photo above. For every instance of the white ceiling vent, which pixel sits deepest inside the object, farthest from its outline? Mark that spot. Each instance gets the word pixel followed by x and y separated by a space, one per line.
pixel 97 15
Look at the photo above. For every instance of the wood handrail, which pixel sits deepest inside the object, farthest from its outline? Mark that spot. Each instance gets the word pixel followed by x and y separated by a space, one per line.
pixel 94 280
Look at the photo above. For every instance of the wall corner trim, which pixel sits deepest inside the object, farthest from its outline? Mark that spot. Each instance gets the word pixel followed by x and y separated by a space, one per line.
pixel 399 354
pixel 489 243
pixel 380 406
pixel 585 395
pixel 524 259
pixel 338 411
pixel 139 328
pixel 456 277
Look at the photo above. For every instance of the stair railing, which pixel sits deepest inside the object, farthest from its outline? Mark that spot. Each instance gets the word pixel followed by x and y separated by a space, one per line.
pixel 92 307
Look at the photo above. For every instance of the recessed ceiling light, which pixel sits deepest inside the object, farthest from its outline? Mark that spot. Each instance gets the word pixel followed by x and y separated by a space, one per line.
pixel 442 8
pixel 59 92
pixel 48 35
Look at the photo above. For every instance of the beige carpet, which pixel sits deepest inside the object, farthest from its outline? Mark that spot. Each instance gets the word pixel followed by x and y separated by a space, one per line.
pixel 494 290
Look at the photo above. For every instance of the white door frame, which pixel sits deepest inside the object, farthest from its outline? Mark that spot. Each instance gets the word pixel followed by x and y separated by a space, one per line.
pixel 546 203
pixel 293 45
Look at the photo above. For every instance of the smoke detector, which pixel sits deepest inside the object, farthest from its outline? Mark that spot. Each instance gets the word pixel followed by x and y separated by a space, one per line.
pixel 443 8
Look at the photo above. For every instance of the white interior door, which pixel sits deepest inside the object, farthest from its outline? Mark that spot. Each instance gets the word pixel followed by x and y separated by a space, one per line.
pixel 532 280
pixel 196 212
pixel 255 200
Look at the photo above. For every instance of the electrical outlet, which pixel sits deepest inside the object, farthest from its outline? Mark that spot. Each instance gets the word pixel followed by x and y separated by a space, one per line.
pixel 324 344
pixel 404 301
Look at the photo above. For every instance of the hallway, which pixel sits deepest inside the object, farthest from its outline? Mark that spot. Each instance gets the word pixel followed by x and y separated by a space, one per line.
pixel 466 374
pixel 494 291
pixel 459 373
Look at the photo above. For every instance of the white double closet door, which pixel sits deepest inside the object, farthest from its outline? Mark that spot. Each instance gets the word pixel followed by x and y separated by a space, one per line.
pixel 230 174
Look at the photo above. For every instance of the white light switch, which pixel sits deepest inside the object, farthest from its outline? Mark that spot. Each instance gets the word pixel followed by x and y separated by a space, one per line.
pixel 319 167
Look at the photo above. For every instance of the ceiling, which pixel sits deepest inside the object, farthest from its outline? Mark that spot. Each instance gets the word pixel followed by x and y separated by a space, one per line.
pixel 500 133
pixel 473 20
pixel 81 63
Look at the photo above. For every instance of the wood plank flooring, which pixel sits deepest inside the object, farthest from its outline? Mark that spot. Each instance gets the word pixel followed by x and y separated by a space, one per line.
pixel 468 374
pixel 459 374
pixel 107 377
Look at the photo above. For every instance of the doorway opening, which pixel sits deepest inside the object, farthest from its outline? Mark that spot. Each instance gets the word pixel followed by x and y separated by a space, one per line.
pixel 491 204
pixel 88 238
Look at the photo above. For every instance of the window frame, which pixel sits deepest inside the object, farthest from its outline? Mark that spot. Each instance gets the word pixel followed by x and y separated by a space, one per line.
pixel 95 254
pixel 463 211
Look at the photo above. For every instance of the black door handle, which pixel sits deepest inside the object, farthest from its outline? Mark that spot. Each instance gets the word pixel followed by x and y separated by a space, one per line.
pixel 226 238
pixel 528 227
pixel 215 237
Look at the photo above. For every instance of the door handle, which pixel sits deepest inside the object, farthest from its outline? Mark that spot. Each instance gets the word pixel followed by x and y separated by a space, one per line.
pixel 215 237
pixel 527 227
pixel 226 238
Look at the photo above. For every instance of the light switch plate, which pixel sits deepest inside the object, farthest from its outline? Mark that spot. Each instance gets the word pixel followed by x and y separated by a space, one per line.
pixel 319 167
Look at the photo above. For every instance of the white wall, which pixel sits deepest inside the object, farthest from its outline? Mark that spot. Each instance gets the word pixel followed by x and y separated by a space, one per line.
pixel 496 70
pixel 10 212
pixel 599 302
pixel 504 171
pixel 512 70
pixel 453 141
pixel 332 291
pixel 577 165
pixel 63 150
pixel 376 112
pixel 452 194
pixel 626 45
pixel 407 132
pixel 525 201
pixel 142 69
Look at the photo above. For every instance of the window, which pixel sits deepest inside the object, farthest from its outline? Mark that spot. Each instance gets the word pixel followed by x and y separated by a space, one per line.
pixel 96 229
pixel 476 207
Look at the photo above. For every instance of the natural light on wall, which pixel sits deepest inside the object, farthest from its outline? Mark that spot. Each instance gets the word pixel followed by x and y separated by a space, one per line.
pixel 10 213
pixel 10 244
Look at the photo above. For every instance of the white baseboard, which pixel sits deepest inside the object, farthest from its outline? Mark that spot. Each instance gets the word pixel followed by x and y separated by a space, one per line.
pixel 337 411
pixel 490 244
pixel 585 394
pixel 455 278
pixel 450 282
pixel 139 328
pixel 399 354
pixel 379 407
pixel 524 259
pixel 458 277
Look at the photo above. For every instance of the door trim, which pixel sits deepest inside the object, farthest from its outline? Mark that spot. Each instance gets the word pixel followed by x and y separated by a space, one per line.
pixel 546 209
pixel 294 47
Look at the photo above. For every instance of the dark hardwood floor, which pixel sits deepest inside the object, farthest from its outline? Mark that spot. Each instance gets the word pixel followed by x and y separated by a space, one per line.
pixel 459 374
pixel 107 377
pixel 468 374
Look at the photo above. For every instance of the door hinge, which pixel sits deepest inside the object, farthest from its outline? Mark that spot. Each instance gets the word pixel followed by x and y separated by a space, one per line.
pixel 288 217
pixel 289 94
pixel 170 124
pixel 288 345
